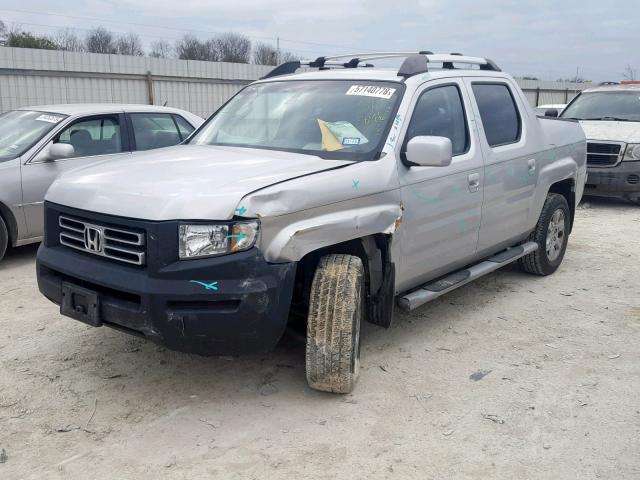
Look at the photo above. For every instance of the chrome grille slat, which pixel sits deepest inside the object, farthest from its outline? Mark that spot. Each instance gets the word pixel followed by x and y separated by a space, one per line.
pixel 114 241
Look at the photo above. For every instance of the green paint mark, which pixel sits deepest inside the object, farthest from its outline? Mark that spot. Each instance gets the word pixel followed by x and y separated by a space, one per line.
pixel 356 185
pixel 238 235
pixel 241 210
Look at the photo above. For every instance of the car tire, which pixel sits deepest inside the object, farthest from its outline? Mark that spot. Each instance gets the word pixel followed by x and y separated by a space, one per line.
pixel 336 307
pixel 4 238
pixel 551 234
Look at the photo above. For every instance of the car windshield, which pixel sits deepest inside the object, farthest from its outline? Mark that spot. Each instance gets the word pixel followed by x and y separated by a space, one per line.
pixel 622 106
pixel 21 129
pixel 332 119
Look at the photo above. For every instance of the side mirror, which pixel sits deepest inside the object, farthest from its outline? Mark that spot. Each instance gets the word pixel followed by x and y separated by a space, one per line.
pixel 552 112
pixel 429 152
pixel 60 150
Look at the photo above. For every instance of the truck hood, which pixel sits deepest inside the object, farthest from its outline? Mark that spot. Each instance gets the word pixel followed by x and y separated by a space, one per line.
pixel 628 132
pixel 183 182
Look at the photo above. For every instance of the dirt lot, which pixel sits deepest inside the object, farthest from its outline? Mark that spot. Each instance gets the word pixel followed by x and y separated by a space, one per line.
pixel 558 399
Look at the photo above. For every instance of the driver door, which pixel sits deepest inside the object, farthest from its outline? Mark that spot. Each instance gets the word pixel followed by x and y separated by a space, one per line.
pixel 94 139
pixel 443 205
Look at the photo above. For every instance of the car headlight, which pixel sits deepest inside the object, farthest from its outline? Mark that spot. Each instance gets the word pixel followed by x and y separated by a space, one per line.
pixel 206 240
pixel 632 152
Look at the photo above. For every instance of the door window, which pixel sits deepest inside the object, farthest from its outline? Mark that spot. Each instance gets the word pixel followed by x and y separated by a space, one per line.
pixel 498 112
pixel 440 112
pixel 154 130
pixel 93 136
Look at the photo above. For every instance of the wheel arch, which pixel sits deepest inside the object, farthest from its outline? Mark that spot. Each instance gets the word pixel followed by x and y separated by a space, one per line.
pixel 375 253
pixel 566 188
pixel 11 223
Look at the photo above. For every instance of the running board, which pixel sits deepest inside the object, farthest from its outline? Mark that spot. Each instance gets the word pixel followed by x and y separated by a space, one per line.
pixel 433 290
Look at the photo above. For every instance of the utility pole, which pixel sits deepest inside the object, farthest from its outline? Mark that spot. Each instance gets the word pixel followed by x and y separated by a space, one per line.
pixel 277 50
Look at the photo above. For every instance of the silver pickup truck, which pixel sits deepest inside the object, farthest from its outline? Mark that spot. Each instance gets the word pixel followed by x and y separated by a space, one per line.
pixel 326 196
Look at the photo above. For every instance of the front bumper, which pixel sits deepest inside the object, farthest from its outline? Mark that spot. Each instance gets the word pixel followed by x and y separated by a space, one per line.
pixel 622 180
pixel 245 311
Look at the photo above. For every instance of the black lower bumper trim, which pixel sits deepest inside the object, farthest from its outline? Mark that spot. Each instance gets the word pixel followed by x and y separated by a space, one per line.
pixel 245 308
pixel 620 181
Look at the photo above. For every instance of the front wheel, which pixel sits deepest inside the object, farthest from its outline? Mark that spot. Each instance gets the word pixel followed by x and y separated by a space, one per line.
pixel 551 234
pixel 336 308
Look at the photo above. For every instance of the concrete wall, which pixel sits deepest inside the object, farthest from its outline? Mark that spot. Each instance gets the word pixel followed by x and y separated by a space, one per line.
pixel 36 77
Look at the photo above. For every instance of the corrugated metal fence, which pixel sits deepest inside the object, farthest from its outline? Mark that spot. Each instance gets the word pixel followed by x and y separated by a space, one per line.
pixel 36 77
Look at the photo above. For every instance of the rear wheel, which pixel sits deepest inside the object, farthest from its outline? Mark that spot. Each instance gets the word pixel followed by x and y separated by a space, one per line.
pixel 336 308
pixel 4 238
pixel 551 234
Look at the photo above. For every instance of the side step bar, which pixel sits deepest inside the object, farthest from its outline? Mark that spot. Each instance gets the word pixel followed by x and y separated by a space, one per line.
pixel 433 290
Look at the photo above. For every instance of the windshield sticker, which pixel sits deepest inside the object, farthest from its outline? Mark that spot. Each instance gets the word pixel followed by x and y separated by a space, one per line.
pixel 371 91
pixel 334 135
pixel 49 118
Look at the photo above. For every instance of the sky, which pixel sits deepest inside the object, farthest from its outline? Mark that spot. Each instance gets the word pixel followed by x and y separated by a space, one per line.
pixel 548 39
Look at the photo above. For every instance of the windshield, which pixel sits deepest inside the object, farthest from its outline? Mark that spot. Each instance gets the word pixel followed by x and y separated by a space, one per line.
pixel 21 129
pixel 332 119
pixel 622 106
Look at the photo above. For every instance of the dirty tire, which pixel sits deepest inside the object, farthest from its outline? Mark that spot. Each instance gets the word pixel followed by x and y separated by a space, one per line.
pixel 541 262
pixel 336 308
pixel 4 238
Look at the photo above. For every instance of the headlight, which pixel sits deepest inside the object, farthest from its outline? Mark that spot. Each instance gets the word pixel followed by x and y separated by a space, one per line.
pixel 632 152
pixel 202 240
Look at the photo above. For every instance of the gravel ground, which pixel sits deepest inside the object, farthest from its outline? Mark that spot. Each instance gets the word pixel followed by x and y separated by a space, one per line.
pixel 513 376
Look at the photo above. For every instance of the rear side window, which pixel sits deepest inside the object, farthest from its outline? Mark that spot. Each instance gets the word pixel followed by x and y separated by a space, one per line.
pixel 154 130
pixel 498 112
pixel 184 127
pixel 439 112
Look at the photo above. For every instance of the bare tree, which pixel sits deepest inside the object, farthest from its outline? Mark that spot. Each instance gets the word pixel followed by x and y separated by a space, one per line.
pixel 264 54
pixel 100 40
pixel 288 57
pixel 191 48
pixel 161 49
pixel 129 44
pixel 630 73
pixel 3 33
pixel 66 39
pixel 233 47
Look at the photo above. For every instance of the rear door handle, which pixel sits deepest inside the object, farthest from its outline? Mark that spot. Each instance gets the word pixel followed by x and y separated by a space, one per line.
pixel 474 182
pixel 532 166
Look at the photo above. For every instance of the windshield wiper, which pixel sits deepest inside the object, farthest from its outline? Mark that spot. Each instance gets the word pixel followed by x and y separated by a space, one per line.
pixel 613 119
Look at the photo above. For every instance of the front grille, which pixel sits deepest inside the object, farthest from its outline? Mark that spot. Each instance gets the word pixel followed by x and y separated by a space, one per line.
pixel 105 241
pixel 600 154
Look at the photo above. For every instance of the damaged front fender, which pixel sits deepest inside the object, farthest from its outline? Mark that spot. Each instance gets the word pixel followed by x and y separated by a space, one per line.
pixel 296 239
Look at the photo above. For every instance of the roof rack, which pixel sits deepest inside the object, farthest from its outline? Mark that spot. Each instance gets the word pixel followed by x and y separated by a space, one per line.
pixel 414 63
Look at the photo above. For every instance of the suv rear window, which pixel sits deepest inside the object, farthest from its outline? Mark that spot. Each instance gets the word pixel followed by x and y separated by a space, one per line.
pixel 498 111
